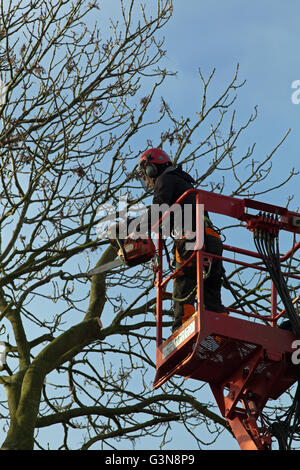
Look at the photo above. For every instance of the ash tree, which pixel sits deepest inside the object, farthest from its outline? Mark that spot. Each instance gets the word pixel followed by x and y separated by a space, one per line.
pixel 79 103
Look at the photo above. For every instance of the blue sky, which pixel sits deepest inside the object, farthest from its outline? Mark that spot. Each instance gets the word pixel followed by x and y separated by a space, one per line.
pixel 262 36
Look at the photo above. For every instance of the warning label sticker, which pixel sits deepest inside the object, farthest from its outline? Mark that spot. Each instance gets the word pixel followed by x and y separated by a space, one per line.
pixel 180 338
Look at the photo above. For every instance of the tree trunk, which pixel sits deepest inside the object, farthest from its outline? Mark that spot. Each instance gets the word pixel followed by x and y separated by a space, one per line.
pixel 21 432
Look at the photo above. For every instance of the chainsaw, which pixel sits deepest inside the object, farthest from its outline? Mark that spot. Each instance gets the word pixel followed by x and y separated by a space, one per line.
pixel 131 252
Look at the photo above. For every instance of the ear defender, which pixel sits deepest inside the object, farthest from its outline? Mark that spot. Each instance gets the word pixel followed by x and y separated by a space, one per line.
pixel 151 161
pixel 150 169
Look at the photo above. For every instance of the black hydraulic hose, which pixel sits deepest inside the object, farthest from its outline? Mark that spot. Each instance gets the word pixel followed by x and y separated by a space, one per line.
pixel 271 257
pixel 268 248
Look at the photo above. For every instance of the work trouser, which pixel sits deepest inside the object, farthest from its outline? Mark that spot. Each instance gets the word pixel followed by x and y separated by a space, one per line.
pixel 185 283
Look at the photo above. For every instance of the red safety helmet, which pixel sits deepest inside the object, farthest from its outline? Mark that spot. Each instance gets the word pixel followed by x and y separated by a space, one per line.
pixel 156 156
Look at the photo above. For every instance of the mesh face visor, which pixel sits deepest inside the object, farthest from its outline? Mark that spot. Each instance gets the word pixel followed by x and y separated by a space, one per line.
pixel 141 177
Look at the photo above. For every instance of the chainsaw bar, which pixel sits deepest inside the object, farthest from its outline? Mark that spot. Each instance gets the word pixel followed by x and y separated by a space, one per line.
pixel 106 267
pixel 131 253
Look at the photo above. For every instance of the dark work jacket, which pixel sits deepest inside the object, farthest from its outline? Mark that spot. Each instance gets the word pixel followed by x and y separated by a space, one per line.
pixel 169 186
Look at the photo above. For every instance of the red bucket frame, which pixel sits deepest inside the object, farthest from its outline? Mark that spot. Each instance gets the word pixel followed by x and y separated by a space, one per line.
pixel 249 361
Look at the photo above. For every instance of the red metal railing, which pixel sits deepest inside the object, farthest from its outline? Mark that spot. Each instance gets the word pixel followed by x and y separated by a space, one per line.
pixel 236 208
pixel 251 360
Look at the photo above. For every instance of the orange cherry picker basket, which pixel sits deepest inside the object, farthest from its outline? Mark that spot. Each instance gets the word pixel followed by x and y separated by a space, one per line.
pixel 244 356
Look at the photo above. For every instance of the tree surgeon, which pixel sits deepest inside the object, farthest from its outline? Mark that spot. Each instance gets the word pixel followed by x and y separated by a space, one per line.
pixel 168 184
